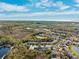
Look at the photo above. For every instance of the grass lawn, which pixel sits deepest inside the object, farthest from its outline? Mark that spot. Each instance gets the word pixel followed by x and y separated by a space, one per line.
pixel 71 49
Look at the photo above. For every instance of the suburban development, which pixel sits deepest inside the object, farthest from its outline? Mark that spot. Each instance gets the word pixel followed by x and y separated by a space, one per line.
pixel 39 40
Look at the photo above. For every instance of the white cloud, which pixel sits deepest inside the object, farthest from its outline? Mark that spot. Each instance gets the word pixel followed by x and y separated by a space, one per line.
pixel 46 3
pixel 24 19
pixel 39 14
pixel 77 1
pixel 10 7
pixel 77 5
pixel 61 5
pixel 64 7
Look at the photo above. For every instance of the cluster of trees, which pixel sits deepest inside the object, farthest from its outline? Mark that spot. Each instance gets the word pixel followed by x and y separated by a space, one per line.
pixel 22 52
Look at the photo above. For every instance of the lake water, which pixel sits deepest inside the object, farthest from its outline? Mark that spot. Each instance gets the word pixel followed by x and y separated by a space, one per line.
pixel 3 51
pixel 76 49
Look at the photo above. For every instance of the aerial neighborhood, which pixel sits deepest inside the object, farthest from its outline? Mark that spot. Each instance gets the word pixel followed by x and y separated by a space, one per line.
pixel 39 40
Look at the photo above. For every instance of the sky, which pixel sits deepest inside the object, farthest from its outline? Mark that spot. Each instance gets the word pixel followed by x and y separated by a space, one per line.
pixel 39 10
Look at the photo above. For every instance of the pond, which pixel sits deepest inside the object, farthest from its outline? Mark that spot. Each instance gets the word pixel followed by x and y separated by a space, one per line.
pixel 3 51
pixel 76 49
